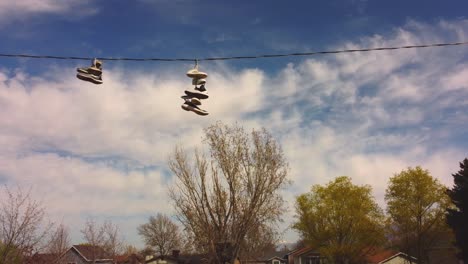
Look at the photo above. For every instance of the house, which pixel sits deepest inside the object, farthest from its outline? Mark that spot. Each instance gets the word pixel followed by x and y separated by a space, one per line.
pixel 43 259
pixel 309 255
pixel 84 254
pixel 176 258
pixel 272 260
pixel 130 259
pixel 272 257
pixel 305 255
pixel 389 257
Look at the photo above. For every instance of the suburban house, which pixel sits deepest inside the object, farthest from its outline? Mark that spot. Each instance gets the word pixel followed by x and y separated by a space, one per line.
pixel 176 258
pixel 309 255
pixel 390 257
pixel 130 259
pixel 275 257
pixel 84 254
pixel 305 255
pixel 272 260
pixel 43 259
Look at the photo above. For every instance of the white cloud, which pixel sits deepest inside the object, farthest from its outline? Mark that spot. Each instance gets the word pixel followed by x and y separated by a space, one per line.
pixel 20 9
pixel 102 150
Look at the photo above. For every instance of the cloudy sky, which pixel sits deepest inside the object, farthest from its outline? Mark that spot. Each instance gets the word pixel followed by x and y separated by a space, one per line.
pixel 101 151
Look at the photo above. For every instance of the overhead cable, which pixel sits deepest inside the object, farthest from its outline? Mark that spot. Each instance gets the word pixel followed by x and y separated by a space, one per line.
pixel 234 57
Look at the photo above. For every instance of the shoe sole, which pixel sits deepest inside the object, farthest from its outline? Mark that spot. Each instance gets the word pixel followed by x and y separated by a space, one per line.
pixel 196 95
pixel 89 71
pixel 84 77
pixel 192 100
pixel 194 109
pixel 196 74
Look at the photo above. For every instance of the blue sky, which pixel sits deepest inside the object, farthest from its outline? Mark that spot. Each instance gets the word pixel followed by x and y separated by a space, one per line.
pixel 102 150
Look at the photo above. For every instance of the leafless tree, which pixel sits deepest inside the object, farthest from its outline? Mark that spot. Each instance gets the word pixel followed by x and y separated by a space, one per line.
pixel 93 234
pixel 59 241
pixel 225 194
pixel 129 250
pixel 113 243
pixel 104 237
pixel 23 226
pixel 259 243
pixel 160 233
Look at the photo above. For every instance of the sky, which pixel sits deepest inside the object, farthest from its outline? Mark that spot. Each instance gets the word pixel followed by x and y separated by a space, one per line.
pixel 101 151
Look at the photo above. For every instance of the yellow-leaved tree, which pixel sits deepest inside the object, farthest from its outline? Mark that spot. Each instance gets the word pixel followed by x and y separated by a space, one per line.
pixel 416 206
pixel 341 220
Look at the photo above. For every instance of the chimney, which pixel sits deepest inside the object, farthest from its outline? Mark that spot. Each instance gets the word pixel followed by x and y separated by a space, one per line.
pixel 175 253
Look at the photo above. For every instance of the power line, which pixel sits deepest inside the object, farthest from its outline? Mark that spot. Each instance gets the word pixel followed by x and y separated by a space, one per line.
pixel 235 57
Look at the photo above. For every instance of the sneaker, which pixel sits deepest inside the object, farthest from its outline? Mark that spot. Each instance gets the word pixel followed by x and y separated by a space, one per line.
pixel 90 70
pixel 195 74
pixel 201 88
pixel 192 100
pixel 97 63
pixel 95 69
pixel 198 81
pixel 89 78
pixel 191 107
pixel 197 93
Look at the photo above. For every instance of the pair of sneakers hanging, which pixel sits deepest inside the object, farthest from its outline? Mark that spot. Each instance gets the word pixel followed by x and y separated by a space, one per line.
pixel 193 97
pixel 91 74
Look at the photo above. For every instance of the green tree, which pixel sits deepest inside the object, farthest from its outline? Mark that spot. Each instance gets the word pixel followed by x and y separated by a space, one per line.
pixel 416 205
pixel 341 219
pixel 12 255
pixel 457 217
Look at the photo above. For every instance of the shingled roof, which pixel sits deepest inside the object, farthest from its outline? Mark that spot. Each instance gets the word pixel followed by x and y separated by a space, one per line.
pixel 92 252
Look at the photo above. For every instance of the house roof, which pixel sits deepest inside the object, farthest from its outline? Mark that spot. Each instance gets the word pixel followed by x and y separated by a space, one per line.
pixel 43 259
pixel 182 259
pixel 89 252
pixel 130 259
pixel 302 251
pixel 381 256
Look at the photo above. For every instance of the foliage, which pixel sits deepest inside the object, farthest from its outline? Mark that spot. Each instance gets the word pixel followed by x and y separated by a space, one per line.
pixel 341 219
pixel 161 234
pixel 223 195
pixel 416 205
pixel 11 255
pixel 457 217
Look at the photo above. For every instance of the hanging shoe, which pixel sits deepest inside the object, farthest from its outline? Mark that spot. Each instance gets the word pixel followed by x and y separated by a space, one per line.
pixel 190 99
pixel 95 68
pixel 198 81
pixel 192 107
pixel 197 93
pixel 90 70
pixel 195 74
pixel 96 79
pixel 201 88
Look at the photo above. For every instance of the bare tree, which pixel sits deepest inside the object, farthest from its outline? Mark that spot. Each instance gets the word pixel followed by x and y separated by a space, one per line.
pixel 161 234
pixel 129 250
pixel 22 224
pixel 105 240
pixel 259 243
pixel 59 241
pixel 113 243
pixel 93 234
pixel 223 196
